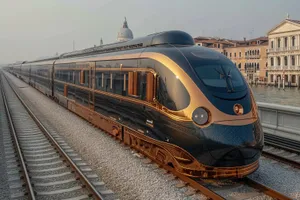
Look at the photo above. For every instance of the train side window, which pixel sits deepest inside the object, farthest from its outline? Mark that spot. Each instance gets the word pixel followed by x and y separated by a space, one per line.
pixel 150 87
pixel 142 80
pixel 74 77
pixel 133 84
pixel 61 75
pixel 57 76
pixel 162 94
pixel 106 81
pixel 99 80
pixel 117 82
pixel 141 85
pixel 66 76
pixel 168 88
pixel 77 77
pixel 70 76
pixel 111 81
pixel 125 85
pixel 84 77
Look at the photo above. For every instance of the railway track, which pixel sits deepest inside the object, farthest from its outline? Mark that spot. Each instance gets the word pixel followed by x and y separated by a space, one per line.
pixel 222 189
pixel 245 188
pixel 282 149
pixel 40 164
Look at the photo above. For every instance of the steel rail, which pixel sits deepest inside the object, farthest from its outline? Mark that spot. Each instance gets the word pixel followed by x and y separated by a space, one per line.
pixel 283 143
pixel 30 191
pixel 282 159
pixel 94 193
pixel 266 190
pixel 194 184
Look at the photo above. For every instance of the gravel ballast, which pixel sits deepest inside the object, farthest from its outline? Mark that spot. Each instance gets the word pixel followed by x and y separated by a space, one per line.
pixel 122 170
pixel 278 176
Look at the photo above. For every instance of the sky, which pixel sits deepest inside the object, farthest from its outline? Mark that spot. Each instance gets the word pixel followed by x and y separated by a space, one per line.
pixel 30 29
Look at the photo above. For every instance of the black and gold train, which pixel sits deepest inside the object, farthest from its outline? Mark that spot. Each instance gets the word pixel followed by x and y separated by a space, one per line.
pixel 182 105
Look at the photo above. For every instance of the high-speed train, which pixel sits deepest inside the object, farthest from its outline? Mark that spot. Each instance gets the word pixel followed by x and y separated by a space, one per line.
pixel 181 105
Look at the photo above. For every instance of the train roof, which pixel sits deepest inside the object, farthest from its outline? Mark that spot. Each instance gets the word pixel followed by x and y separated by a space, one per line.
pixel 167 37
pixel 174 37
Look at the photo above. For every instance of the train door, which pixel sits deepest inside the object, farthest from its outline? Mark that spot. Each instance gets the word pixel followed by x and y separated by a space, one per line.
pixel 92 71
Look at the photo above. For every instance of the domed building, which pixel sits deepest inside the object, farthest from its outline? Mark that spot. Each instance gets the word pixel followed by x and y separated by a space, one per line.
pixel 125 33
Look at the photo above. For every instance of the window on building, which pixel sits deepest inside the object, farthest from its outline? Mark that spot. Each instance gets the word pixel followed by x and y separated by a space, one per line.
pixel 240 54
pixel 257 66
pixel 293 41
pixel 293 60
pixel 278 61
pixel 278 42
pixel 272 61
pixel 285 42
pixel 234 54
pixel 272 44
pixel 218 45
pixel 240 65
pixel 229 54
pixel 285 60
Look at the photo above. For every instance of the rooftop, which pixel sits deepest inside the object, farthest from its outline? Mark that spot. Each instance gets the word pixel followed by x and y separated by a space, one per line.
pixel 209 41
pixel 294 21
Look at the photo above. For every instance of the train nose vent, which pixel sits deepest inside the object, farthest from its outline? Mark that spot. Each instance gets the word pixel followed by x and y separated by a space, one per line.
pixel 233 155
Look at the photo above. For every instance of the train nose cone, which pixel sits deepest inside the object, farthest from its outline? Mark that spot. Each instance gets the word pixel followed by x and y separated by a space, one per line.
pixel 234 156
pixel 233 145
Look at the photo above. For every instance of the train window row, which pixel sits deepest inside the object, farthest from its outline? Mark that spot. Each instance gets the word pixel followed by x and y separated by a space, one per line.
pixel 133 84
pixel 139 83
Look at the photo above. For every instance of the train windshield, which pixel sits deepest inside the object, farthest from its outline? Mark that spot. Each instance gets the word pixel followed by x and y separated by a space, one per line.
pixel 219 74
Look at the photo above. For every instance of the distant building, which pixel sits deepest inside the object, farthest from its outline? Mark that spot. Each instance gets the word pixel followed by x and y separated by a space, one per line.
pixel 125 33
pixel 284 53
pixel 250 56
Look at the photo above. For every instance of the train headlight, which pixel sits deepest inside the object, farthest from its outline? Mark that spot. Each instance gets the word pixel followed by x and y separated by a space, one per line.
pixel 238 109
pixel 200 116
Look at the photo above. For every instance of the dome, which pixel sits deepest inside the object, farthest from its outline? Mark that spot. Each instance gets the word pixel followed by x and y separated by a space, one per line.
pixel 125 33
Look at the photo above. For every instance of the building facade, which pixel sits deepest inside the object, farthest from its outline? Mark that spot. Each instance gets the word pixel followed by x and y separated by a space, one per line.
pixel 284 53
pixel 250 56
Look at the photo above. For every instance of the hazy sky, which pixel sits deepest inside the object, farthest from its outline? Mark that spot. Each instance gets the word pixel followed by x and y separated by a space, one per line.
pixel 33 28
